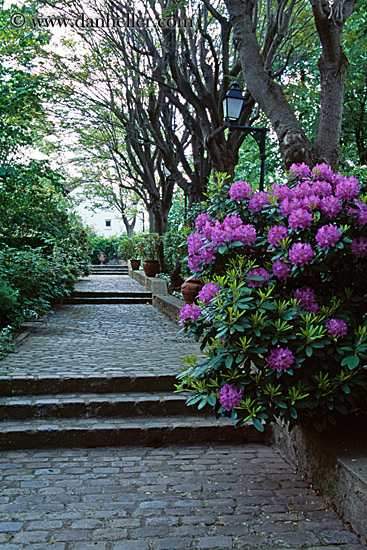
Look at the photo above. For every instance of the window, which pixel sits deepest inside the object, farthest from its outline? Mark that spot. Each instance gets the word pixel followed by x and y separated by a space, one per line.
pixel 108 224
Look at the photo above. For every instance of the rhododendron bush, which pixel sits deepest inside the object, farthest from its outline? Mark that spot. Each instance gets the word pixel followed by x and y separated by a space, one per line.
pixel 282 316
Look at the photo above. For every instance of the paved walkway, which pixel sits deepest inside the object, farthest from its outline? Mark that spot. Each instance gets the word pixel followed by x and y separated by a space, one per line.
pixel 112 339
pixel 141 498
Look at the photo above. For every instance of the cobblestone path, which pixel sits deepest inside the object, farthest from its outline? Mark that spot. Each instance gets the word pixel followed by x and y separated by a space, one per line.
pixel 203 496
pixel 106 339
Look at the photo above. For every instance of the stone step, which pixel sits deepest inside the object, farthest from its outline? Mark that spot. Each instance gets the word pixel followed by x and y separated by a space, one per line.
pixel 95 405
pixel 109 294
pixel 101 432
pixel 108 270
pixel 37 385
pixel 107 300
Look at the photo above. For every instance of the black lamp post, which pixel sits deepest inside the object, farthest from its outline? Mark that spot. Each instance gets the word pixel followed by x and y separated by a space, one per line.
pixel 232 108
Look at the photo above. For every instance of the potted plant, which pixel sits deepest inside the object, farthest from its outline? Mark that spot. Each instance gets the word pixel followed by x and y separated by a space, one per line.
pixel 148 247
pixel 127 251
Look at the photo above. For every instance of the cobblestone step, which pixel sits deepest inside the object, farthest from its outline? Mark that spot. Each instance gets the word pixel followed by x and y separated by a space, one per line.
pixel 36 385
pixel 109 294
pixel 102 432
pixel 94 405
pixel 109 270
pixel 107 300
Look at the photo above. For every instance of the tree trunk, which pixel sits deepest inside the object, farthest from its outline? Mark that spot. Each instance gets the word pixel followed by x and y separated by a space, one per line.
pixel 293 143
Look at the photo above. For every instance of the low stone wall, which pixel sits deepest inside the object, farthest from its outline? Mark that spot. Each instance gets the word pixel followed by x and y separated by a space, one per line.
pixel 156 286
pixel 169 305
pixel 336 464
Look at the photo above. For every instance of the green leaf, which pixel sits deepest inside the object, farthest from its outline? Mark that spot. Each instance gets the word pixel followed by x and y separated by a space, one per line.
pixel 351 360
pixel 309 351
pixel 212 399
pixel 229 361
pixel 258 424
pixel 203 403
pixel 346 388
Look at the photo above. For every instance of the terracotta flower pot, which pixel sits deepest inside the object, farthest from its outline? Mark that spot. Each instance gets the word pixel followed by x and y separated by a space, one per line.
pixel 135 264
pixel 151 267
pixel 190 289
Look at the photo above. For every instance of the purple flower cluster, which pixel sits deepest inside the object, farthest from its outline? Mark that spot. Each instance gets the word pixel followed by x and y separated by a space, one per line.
pixel 307 299
pixel 230 397
pixel 202 221
pixel 208 292
pixel 189 312
pixel 258 201
pixel 301 253
pixel 300 171
pixel 323 171
pixel 240 190
pixel 277 234
pixel 361 213
pixel 202 244
pixel 330 206
pixel 198 251
pixel 280 359
pixel 337 327
pixel 281 269
pixel 300 219
pixel 347 188
pixel 359 247
pixel 327 236
pixel 257 272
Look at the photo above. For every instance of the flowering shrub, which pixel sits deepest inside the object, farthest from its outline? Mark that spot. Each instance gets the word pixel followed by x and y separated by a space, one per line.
pixel 282 321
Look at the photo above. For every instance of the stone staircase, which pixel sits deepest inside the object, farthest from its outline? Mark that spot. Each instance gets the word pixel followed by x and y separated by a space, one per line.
pixel 108 270
pixel 106 411
pixel 85 297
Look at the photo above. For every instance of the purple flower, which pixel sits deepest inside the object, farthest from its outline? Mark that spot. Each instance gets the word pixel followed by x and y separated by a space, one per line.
pixel 207 254
pixel 323 171
pixel 347 188
pixel 218 235
pixel 322 188
pixel 300 219
pixel 232 221
pixel 301 253
pixel 245 234
pixel 281 269
pixel 312 202
pixel 230 397
pixel 281 192
pixel 240 190
pixel 277 234
pixel 208 292
pixel 307 299
pixel 195 242
pixel 330 206
pixel 359 247
pixel 194 262
pixel 280 359
pixel 337 327
pixel 202 221
pixel 288 205
pixel 302 190
pixel 301 171
pixel 257 272
pixel 361 212
pixel 327 236
pixel 189 312
pixel 258 201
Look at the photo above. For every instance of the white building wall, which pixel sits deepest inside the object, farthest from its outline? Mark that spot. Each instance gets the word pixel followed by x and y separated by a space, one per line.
pixel 104 222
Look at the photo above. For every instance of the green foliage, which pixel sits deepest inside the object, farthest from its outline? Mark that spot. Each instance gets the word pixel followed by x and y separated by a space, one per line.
pixel 33 208
pixel 106 245
pixel 127 249
pixel 175 248
pixel 148 246
pixel 8 303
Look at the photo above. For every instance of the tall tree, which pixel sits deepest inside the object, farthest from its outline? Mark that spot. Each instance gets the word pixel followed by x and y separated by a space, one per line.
pixel 329 19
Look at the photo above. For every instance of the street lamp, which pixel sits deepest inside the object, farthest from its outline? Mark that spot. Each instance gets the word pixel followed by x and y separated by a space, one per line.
pixel 232 108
